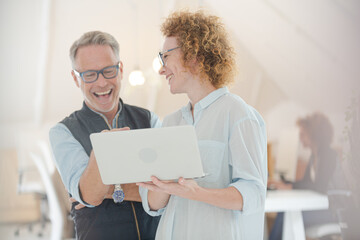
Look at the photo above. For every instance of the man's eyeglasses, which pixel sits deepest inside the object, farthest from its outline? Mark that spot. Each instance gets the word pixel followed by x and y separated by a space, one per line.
pixel 93 75
pixel 161 54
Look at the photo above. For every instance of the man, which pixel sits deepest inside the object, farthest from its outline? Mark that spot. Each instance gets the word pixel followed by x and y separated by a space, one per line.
pixel 98 71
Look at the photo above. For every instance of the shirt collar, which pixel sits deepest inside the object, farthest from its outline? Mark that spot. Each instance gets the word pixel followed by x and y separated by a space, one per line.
pixel 103 116
pixel 208 100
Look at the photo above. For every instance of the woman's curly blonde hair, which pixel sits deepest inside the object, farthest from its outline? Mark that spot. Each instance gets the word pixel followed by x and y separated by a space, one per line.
pixel 205 38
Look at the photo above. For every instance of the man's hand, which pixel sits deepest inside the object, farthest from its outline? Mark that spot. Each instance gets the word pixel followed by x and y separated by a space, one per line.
pixel 92 188
pixel 116 129
pixel 78 206
pixel 131 192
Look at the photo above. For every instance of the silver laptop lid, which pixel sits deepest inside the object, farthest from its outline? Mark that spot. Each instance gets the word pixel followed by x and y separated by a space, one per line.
pixel 136 155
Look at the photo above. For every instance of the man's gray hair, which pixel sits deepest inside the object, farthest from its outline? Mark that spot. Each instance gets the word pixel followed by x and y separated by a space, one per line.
pixel 94 38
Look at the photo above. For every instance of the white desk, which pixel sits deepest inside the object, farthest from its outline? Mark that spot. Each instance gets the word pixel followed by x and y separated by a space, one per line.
pixel 292 203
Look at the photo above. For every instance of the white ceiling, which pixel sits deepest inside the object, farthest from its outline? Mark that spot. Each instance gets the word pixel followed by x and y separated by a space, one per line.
pixel 310 49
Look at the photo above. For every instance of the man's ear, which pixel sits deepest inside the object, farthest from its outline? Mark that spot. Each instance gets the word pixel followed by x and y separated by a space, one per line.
pixel 76 79
pixel 121 70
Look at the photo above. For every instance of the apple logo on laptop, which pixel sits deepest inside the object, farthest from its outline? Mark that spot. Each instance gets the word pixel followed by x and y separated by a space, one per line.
pixel 147 155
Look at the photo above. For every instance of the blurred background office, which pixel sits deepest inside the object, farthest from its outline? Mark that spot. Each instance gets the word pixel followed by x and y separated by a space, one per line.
pixel 294 58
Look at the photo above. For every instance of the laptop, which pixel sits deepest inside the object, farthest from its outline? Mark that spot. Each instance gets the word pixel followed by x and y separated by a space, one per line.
pixel 136 155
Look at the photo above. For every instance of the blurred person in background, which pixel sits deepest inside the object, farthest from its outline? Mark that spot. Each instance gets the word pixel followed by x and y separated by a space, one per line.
pixel 316 134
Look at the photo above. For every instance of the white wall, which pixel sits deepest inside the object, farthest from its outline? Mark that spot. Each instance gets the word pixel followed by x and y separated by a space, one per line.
pixel 283 55
pixel 19 47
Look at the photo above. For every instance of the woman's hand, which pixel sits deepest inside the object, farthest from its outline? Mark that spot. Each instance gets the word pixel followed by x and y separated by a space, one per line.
pixel 185 188
pixel 229 198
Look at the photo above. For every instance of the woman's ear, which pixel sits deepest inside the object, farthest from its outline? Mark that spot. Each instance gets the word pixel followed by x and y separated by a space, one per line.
pixel 193 65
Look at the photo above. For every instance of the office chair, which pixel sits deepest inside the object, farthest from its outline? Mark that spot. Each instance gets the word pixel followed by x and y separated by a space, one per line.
pixel 29 182
pixel 55 213
pixel 339 198
pixel 62 193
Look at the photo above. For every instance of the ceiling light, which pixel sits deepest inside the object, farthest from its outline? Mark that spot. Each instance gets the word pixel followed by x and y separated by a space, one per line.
pixel 136 78
pixel 156 65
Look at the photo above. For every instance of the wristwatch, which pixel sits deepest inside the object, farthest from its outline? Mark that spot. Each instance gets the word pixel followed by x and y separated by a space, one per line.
pixel 118 194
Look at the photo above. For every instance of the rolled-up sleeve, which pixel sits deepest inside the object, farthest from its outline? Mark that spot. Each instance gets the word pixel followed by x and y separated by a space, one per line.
pixel 144 198
pixel 70 159
pixel 248 160
pixel 154 121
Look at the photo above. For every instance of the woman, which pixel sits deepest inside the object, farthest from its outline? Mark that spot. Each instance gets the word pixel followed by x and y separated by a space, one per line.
pixel 198 60
pixel 315 133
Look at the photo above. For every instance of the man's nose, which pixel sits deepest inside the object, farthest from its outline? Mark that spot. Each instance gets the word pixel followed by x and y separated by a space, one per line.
pixel 101 81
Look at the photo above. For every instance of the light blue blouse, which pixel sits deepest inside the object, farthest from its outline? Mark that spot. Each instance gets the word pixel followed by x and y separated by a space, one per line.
pixel 233 147
pixel 71 158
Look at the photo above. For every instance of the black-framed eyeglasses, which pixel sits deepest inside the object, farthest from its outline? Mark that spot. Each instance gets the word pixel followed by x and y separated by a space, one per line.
pixel 161 54
pixel 93 75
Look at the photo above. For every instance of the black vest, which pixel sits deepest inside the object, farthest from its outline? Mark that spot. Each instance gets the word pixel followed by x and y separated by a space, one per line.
pixel 85 121
pixel 126 220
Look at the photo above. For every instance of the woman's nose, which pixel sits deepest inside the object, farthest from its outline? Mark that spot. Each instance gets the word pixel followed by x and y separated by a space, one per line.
pixel 162 70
